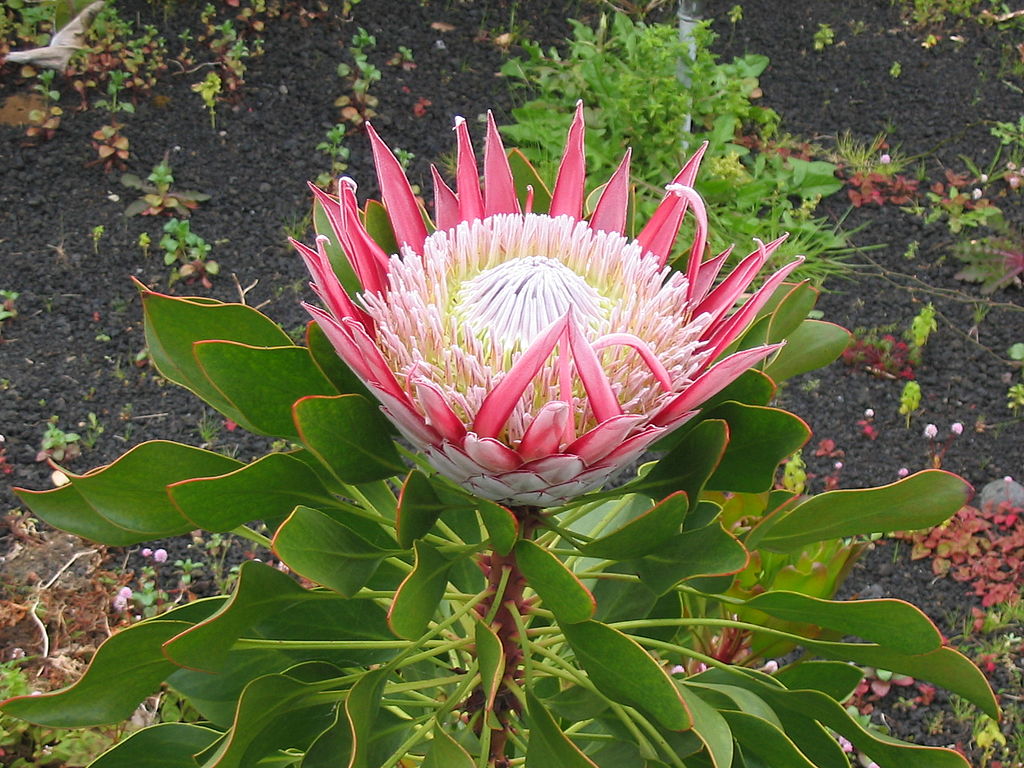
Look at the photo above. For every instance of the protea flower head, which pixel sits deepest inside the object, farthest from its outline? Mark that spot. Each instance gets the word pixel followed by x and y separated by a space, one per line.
pixel 532 355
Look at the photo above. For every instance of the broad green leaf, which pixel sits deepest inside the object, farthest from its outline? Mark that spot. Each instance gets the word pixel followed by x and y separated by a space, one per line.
pixel 501 524
pixel 335 253
pixel 269 604
pixel 327 551
pixel 760 737
pixel 577 703
pixel 643 534
pixel 707 551
pixel 262 383
pixel 173 325
pixel 164 745
pixel 710 727
pixel 919 501
pixel 549 746
pixel 881 749
pixel 331 365
pixel 491 657
pixel 268 488
pixel 418 509
pixel 814 344
pixel 446 752
pixel 274 712
pixel 750 388
pixel 350 437
pixel 788 307
pixel 622 600
pixel 417 598
pixel 833 678
pixel 126 502
pixel 65 508
pixel 688 465
pixel 525 175
pixel 127 668
pixel 378 225
pixel 893 623
pixel 622 670
pixel 560 591
pixel 361 708
pixel 944 666
pixel 759 439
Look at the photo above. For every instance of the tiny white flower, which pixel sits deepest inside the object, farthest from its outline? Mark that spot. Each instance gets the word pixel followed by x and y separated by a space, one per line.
pixel 930 431
pixel 956 428
pixel 869 413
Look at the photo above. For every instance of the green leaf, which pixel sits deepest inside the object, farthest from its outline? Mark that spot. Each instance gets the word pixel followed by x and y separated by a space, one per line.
pixel 173 325
pixel 331 365
pixel 710 727
pixel 65 508
pixel 707 551
pixel 893 623
pixel 418 595
pixel 560 591
pixel 814 344
pixel 126 502
pixel 759 439
pixel 274 712
pixel 833 678
pixel 919 501
pixel 501 524
pixel 378 225
pixel 127 668
pixel 788 307
pixel 164 745
pixel 643 534
pixel 491 657
pixel 549 746
pixel 327 551
pixel 361 708
pixel 445 752
pixel 944 666
pixel 335 254
pixel 688 465
pixel 761 738
pixel 525 175
pixel 269 604
pixel 268 488
pixel 418 509
pixel 262 383
pixel 622 670
pixel 350 437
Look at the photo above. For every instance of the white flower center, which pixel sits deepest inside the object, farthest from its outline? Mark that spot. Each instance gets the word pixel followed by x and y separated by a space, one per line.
pixel 515 301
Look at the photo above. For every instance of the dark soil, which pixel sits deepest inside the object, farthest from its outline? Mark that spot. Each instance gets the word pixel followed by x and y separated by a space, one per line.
pixel 71 351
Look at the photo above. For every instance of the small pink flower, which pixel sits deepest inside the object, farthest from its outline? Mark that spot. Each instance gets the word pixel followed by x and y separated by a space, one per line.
pixel 885 159
pixel 869 413
pixel 770 667
pixel 677 669
pixel 124 594
pixel 930 431
pixel 530 356
pixel 956 428
pixel 902 472
pixel 845 744
pixel 159 555
pixel 146 552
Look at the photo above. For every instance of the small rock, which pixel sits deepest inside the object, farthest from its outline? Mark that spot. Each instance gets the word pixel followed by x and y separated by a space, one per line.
pixel 999 491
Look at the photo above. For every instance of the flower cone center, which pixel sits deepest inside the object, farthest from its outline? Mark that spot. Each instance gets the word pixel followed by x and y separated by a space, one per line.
pixel 516 300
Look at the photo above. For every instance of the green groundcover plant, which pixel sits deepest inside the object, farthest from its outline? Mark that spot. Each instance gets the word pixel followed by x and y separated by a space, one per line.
pixel 478 599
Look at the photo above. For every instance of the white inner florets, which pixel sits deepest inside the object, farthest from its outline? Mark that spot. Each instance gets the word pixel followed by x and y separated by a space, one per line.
pixel 464 310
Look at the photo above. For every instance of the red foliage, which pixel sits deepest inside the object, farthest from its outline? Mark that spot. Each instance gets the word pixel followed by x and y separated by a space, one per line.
pixel 886 357
pixel 878 189
pixel 978 546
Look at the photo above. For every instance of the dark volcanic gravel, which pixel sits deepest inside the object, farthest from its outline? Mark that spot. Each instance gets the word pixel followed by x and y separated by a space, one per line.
pixel 71 350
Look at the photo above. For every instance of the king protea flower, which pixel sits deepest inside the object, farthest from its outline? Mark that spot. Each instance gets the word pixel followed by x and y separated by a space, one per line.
pixel 531 355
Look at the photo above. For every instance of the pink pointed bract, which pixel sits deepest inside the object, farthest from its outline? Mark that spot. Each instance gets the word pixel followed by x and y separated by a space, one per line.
pixel 531 356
